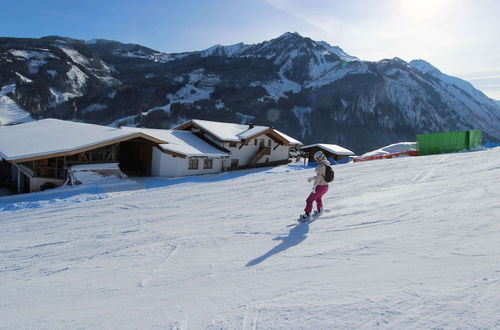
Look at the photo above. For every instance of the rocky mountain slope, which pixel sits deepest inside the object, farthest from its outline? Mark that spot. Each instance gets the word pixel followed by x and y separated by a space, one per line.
pixel 311 90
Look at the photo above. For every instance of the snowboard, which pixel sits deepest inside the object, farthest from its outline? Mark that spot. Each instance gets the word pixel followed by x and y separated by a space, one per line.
pixel 312 217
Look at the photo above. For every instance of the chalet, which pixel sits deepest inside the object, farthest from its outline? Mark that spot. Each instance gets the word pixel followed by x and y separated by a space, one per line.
pixel 331 151
pixel 248 145
pixel 183 153
pixel 38 154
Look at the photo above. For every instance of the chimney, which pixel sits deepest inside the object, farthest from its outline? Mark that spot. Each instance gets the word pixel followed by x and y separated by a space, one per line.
pixel 250 125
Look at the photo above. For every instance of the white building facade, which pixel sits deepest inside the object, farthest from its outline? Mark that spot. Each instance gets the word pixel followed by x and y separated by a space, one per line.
pixel 247 145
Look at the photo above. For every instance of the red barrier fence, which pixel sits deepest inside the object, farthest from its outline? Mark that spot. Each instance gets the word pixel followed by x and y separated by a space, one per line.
pixel 387 156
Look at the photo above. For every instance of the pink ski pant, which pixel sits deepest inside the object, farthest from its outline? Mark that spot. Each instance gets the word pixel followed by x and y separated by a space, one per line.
pixel 316 196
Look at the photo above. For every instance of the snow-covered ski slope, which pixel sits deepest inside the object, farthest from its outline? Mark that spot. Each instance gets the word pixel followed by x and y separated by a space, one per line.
pixel 409 243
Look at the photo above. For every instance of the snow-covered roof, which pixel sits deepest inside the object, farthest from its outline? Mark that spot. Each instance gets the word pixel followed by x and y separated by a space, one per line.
pixel 333 148
pixel 230 132
pixel 53 136
pixel 392 149
pixel 290 139
pixel 182 142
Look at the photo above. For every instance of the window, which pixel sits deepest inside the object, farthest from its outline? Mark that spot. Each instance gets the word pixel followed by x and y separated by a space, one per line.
pixel 208 163
pixel 268 143
pixel 193 164
pixel 255 142
pixel 234 163
pixel 232 144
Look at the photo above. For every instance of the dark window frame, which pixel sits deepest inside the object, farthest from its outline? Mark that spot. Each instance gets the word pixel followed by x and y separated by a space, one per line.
pixel 208 163
pixel 193 164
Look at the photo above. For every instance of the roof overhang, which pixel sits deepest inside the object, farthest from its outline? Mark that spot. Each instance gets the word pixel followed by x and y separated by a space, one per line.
pixel 74 151
pixel 272 134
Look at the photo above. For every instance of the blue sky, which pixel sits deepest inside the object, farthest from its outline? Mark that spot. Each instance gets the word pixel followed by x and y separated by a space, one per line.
pixel 459 37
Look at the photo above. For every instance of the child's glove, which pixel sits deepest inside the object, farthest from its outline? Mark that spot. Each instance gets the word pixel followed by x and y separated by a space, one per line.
pixel 310 179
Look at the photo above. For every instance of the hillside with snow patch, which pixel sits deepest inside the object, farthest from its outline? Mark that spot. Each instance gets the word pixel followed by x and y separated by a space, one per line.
pixel 407 243
pixel 10 112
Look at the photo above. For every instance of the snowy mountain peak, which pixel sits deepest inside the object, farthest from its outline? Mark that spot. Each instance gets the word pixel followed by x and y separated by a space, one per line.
pixel 424 67
pixel 219 50
pixel 290 35
pixel 337 51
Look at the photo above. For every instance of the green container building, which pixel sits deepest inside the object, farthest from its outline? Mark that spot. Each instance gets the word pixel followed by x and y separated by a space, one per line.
pixel 439 143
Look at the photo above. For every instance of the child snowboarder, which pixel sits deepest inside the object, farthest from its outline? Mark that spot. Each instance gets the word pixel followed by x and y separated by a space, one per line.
pixel 320 187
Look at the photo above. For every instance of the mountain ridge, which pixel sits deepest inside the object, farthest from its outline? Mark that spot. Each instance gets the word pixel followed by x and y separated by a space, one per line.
pixel 308 89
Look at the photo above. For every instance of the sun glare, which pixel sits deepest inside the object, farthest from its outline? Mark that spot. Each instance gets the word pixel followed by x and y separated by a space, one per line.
pixel 422 8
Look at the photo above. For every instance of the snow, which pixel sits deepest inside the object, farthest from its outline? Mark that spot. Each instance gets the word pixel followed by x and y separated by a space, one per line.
pixel 23 78
pixel 94 167
pixel 228 131
pixel 219 105
pixel 338 51
pixel 278 88
pixel 408 243
pixel 128 120
pixel 60 97
pixel 231 50
pixel 333 148
pixel 75 56
pixel 92 174
pixel 78 79
pixel 327 74
pixel 290 139
pixel 199 87
pixel 392 149
pixel 165 108
pixel 149 55
pixel 35 58
pixel 10 112
pixel 244 118
pixel 95 107
pixel 53 73
pixel 182 142
pixel 303 114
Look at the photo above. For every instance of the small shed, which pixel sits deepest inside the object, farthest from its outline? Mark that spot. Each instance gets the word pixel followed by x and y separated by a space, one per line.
pixel 331 151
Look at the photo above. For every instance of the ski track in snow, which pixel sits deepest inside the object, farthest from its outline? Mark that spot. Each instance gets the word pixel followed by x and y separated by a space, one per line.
pixel 408 243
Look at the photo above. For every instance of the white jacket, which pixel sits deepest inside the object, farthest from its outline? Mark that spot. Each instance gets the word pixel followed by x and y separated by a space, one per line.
pixel 319 179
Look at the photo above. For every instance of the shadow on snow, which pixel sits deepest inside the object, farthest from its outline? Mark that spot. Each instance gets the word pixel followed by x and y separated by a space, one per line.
pixel 296 236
